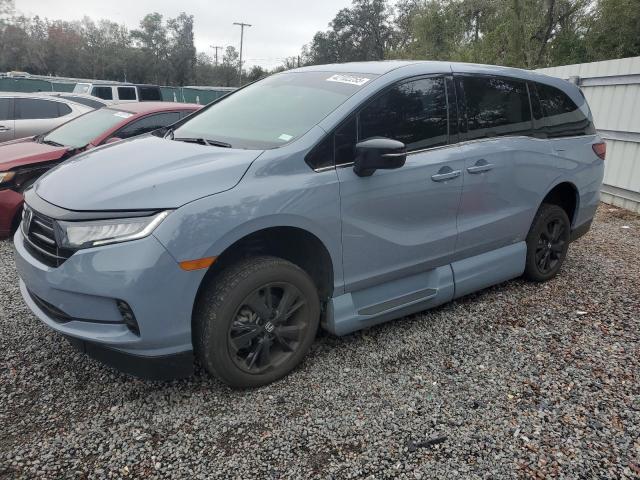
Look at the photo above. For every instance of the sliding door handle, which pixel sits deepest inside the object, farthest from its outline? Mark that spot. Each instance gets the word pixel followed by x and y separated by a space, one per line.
pixel 481 166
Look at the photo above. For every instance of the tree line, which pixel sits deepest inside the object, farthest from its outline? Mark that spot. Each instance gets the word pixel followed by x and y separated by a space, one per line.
pixel 160 51
pixel 521 33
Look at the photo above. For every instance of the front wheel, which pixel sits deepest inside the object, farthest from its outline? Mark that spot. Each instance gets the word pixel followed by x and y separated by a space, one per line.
pixel 256 321
pixel 547 243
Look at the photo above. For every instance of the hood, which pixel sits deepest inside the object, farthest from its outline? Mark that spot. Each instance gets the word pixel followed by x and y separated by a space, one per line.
pixel 25 151
pixel 143 173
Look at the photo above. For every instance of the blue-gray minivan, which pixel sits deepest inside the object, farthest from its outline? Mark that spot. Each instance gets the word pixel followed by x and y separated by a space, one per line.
pixel 339 196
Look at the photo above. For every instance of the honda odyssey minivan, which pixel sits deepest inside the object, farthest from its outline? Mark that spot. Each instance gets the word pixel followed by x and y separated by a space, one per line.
pixel 336 196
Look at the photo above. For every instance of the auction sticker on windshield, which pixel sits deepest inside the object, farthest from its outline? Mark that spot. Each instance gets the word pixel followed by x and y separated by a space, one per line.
pixel 350 79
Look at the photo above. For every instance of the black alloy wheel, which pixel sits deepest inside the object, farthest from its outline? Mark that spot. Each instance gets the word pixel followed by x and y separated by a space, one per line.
pixel 268 327
pixel 255 320
pixel 547 243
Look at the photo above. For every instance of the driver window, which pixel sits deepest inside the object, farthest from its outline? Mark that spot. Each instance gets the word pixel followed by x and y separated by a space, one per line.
pixel 414 113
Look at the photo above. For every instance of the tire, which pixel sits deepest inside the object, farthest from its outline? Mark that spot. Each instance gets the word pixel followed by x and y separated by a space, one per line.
pixel 240 334
pixel 547 243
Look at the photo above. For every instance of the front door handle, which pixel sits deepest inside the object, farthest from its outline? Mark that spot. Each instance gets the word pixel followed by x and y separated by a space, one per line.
pixel 481 166
pixel 4 129
pixel 444 174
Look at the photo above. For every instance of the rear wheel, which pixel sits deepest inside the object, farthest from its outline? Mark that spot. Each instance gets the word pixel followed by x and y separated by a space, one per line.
pixel 547 243
pixel 255 321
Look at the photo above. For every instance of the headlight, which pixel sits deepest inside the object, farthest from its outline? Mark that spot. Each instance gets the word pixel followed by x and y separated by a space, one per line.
pixel 77 235
pixel 6 177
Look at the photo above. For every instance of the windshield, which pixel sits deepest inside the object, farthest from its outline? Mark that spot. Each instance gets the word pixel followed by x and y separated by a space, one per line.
pixel 80 131
pixel 81 88
pixel 273 111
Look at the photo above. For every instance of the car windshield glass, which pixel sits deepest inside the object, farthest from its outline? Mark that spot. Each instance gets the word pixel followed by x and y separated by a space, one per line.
pixel 80 131
pixel 273 111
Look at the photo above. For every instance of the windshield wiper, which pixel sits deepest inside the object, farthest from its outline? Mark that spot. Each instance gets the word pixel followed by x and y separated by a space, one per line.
pixel 205 141
pixel 52 143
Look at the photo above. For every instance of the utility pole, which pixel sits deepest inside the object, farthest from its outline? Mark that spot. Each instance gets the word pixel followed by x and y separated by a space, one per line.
pixel 216 48
pixel 242 25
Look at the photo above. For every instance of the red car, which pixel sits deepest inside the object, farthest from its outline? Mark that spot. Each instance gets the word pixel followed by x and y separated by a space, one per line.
pixel 22 161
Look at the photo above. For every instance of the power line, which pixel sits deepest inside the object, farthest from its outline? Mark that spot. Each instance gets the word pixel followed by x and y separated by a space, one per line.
pixel 242 25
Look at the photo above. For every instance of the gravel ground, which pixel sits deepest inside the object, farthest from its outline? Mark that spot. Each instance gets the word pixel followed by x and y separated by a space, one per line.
pixel 518 380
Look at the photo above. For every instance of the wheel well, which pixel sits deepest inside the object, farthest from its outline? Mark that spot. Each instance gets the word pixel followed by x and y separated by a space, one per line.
pixel 565 195
pixel 291 243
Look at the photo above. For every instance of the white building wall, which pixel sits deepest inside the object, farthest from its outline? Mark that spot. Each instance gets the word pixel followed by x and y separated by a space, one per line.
pixel 612 89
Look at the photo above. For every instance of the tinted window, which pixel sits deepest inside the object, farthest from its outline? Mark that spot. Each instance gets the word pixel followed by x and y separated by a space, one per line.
pixel 322 155
pixel 5 109
pixel 149 94
pixel 126 93
pixel 336 149
pixel 496 106
pixel 414 113
pixel 63 109
pixel 275 110
pixel 148 124
pixel 32 109
pixel 562 117
pixel 104 93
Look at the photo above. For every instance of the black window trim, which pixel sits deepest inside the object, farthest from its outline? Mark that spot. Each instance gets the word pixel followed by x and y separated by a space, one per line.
pixel 356 111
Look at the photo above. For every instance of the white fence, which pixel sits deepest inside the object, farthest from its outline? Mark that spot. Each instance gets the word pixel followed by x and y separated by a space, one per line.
pixel 612 89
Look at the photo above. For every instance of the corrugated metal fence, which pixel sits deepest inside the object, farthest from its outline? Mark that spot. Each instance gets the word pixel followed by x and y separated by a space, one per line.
pixel 612 89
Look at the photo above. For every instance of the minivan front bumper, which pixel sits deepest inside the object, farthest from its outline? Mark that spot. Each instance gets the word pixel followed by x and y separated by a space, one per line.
pixel 83 298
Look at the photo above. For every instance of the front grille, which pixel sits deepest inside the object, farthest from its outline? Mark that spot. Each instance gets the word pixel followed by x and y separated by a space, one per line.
pixel 40 238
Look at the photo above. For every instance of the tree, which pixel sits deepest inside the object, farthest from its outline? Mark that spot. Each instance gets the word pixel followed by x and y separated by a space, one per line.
pixel 613 29
pixel 362 32
pixel 182 51
pixel 153 41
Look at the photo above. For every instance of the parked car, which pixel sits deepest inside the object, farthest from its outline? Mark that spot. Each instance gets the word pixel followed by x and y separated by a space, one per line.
pixel 23 161
pixel 82 98
pixel 120 92
pixel 337 195
pixel 27 114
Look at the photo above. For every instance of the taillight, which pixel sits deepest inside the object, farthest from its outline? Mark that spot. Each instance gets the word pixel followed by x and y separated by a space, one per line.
pixel 600 149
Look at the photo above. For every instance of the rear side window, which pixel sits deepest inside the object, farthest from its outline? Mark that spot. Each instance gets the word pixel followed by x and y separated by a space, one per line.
pixel 414 113
pixel 63 109
pixel 34 109
pixel 126 93
pixel 6 109
pixel 561 116
pixel 149 94
pixel 148 124
pixel 104 93
pixel 496 107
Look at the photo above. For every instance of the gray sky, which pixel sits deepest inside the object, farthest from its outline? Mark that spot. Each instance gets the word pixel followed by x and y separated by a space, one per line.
pixel 280 27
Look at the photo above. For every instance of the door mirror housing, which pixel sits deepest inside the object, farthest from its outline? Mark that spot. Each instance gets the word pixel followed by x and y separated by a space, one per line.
pixel 378 153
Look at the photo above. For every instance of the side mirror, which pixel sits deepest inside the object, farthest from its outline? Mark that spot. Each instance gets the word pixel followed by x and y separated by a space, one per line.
pixel 378 153
pixel 112 140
